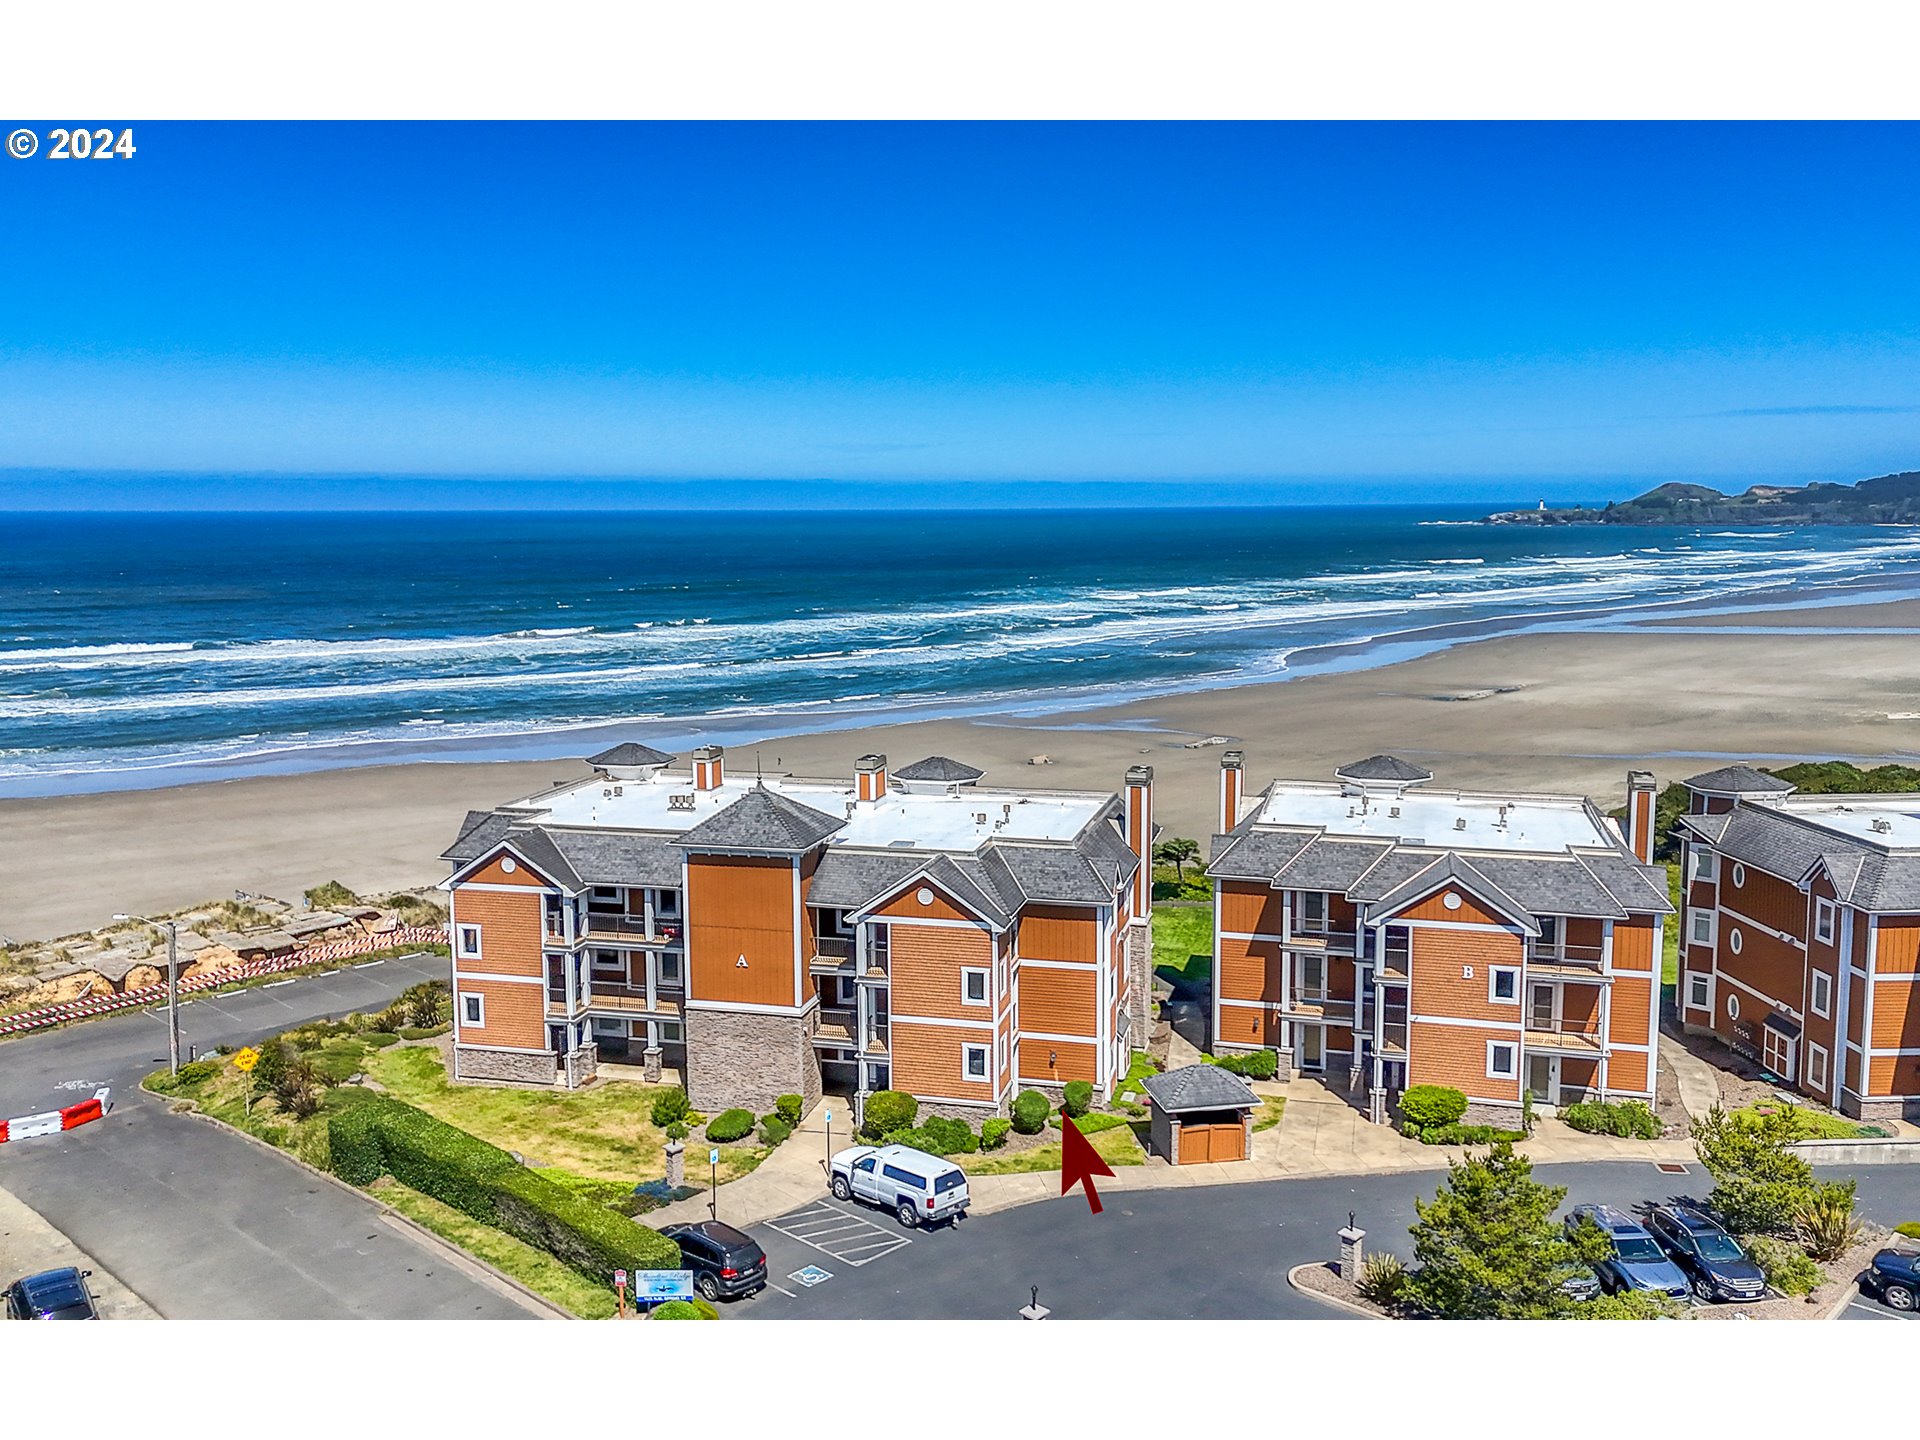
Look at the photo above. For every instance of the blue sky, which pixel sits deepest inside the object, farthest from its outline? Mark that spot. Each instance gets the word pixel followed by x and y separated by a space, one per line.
pixel 1316 310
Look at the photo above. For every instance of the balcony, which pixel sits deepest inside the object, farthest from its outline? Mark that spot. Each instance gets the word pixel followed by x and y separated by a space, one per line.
pixel 557 1004
pixel 609 929
pixel 1571 962
pixel 632 1000
pixel 1562 1038
pixel 1393 1030
pixel 832 955
pixel 1318 1002
pixel 835 1030
pixel 1308 933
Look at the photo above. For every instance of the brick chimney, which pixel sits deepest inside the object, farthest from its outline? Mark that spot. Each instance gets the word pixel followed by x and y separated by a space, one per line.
pixel 708 767
pixel 870 777
pixel 1139 799
pixel 1640 814
pixel 1231 765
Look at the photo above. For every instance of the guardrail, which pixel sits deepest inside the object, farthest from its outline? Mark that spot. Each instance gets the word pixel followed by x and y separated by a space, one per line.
pixel 87 1006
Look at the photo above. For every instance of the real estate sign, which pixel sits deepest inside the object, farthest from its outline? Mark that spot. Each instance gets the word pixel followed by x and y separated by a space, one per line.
pixel 663 1285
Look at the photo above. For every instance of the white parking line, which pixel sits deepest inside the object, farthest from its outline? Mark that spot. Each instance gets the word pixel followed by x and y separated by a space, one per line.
pixel 275 985
pixel 836 1234
pixel 784 1291
pixel 369 964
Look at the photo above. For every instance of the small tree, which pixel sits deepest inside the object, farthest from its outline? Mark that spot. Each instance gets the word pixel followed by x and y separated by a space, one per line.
pixel 1760 1186
pixel 1179 852
pixel 670 1107
pixel 1487 1246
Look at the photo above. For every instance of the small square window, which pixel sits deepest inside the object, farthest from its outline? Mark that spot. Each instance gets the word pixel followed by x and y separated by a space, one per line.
pixel 474 1009
pixel 669 967
pixel 1697 992
pixel 1501 1059
pixel 1503 985
pixel 671 1032
pixel 469 938
pixel 1822 994
pixel 973 985
pixel 1702 933
pixel 974 1061
pixel 666 902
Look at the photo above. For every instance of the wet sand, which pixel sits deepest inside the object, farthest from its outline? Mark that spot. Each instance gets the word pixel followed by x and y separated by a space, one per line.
pixel 1561 711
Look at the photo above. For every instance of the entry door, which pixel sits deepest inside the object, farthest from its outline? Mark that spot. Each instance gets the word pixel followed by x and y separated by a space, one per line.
pixel 1543 1078
pixel 1312 1042
pixel 1778 1051
pixel 1543 1007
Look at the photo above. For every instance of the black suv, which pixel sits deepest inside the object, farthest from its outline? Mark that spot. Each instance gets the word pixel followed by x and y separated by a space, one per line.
pixel 51 1295
pixel 726 1263
pixel 1712 1260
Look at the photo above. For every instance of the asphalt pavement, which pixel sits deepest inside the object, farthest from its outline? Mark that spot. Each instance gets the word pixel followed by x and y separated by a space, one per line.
pixel 203 1223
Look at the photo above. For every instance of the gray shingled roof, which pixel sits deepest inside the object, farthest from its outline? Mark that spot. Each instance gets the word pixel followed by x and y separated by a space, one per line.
pixel 940 769
pixel 1783 844
pixel 1455 869
pixel 620 857
pixel 1050 874
pixel 1383 767
pixel 630 753
pixel 1251 854
pixel 1331 864
pixel 851 879
pixel 1638 888
pixel 1199 1087
pixel 761 820
pixel 1739 780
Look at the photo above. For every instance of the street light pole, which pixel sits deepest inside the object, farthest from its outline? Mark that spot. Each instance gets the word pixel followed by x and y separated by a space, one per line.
pixel 172 928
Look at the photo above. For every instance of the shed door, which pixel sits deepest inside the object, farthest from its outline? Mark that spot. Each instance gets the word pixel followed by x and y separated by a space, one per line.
pixel 1203 1144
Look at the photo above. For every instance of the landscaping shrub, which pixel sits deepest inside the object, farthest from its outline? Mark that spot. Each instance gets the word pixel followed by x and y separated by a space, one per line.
pixel 380 1039
pixel 678 1130
pixel 684 1310
pixel 1078 1099
pixel 1383 1280
pixel 1627 1305
pixel 272 1063
pixel 354 1147
pixel 1133 1108
pixel 1253 1065
pixel 790 1108
pixel 993 1132
pixel 422 1032
pixel 887 1111
pixel 773 1130
pixel 1760 1184
pixel 1425 1105
pixel 1460 1134
pixel 195 1071
pixel 730 1125
pixel 1628 1119
pixel 1030 1111
pixel 1790 1270
pixel 938 1135
pixel 669 1107
pixel 1825 1224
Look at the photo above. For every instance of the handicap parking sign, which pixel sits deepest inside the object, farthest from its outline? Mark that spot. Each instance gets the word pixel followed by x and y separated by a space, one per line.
pixel 810 1276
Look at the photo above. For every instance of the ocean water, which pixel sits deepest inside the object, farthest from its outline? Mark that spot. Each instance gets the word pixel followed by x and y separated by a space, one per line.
pixel 142 649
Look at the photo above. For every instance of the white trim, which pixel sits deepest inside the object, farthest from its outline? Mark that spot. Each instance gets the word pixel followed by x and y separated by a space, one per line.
pixel 985 972
pixel 1511 1045
pixel 799 934
pixel 1736 940
pixel 894 1017
pixel 1478 927
pixel 1264 1004
pixel 967 1048
pixel 1705 980
pixel 1462 1023
pixel 491 889
pixel 1694 918
pixel 1087 965
pixel 1824 908
pixel 813 1003
pixel 473 1012
pixel 461 952
pixel 1739 876
pixel 1817 1057
pixel 1050 1035
pixel 1758 994
pixel 1814 977
pixel 1785 936
pixel 483 978
pixel 1896 1053
pixel 508 1049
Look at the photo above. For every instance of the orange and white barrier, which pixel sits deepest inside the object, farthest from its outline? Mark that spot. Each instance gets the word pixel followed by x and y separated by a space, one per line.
pixel 52 1122
pixel 92 1005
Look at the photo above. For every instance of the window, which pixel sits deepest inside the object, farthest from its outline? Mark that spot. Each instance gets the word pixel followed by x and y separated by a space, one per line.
pixel 469 941
pixel 1733 1007
pixel 669 967
pixel 1702 927
pixel 606 900
pixel 666 903
pixel 1313 911
pixel 1501 1061
pixel 904 1177
pixel 1739 875
pixel 1823 918
pixel 671 1032
pixel 1697 992
pixel 1822 994
pixel 609 962
pixel 1550 933
pixel 1816 1067
pixel 1503 985
pixel 1703 865
pixel 973 985
pixel 975 1060
pixel 1734 940
pixel 473 1010
pixel 866 1165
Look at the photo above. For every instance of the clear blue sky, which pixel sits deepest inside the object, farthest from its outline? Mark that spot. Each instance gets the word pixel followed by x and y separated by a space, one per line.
pixel 1457 310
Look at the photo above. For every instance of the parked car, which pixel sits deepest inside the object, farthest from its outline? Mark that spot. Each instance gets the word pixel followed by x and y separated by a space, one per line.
pixel 1712 1260
pixel 1636 1261
pixel 1580 1283
pixel 919 1188
pixel 1894 1276
pixel 51 1295
pixel 726 1263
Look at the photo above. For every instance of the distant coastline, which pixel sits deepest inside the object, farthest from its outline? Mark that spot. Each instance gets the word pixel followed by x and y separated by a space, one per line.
pixel 1882 500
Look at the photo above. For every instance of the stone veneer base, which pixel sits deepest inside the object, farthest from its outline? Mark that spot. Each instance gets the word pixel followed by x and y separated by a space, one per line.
pixel 503 1065
pixel 747 1058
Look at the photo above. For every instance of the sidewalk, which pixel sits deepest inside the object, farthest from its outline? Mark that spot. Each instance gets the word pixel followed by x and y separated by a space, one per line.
pixel 795 1174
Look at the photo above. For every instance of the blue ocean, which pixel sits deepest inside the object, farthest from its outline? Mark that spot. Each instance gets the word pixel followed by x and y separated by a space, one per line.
pixel 145 649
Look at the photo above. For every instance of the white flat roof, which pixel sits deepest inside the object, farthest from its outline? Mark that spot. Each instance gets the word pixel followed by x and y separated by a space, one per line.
pixel 931 822
pixel 1854 817
pixel 1536 824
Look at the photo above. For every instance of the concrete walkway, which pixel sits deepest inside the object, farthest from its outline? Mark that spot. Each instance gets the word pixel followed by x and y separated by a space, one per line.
pixel 795 1174
pixel 1696 1080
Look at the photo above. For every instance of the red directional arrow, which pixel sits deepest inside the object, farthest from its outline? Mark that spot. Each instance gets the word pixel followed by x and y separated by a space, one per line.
pixel 1080 1161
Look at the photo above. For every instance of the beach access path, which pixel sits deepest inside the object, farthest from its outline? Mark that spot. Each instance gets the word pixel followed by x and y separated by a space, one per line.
pixel 200 1222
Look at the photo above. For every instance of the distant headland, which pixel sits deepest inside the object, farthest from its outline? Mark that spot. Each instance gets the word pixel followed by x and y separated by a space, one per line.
pixel 1883 500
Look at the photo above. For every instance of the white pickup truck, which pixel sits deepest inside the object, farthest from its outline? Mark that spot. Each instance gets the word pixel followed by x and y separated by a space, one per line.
pixel 919 1188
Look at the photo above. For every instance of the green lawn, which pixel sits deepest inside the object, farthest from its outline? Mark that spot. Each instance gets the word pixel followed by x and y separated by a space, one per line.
pixel 1183 942
pixel 1138 1069
pixel 1118 1146
pixel 1272 1107
pixel 535 1269
pixel 1815 1124
pixel 1670 954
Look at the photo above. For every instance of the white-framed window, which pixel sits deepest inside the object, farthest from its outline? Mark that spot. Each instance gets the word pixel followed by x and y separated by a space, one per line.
pixel 609 962
pixel 1733 1007
pixel 1735 939
pixel 1702 932
pixel 671 1032
pixel 1816 1076
pixel 466 939
pixel 1313 911
pixel 1702 865
pixel 666 903
pixel 669 967
pixel 1503 1059
pixel 1824 916
pixel 976 1062
pixel 1739 875
pixel 1698 988
pixel 973 985
pixel 473 1009
pixel 1822 997
pixel 1503 985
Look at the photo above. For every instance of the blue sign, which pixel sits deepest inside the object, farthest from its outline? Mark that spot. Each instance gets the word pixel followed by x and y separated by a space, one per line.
pixel 713 1157
pixel 662 1284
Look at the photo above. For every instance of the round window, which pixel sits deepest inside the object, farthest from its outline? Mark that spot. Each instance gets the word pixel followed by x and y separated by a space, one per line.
pixel 507 867
pixel 1733 1007
pixel 925 897
pixel 1739 875
pixel 1733 941
pixel 1450 900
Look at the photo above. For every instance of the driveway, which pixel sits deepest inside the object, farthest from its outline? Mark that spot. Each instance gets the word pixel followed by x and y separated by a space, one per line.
pixel 203 1223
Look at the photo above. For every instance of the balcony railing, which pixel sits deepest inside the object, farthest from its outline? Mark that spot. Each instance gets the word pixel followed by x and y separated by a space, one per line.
pixel 1583 956
pixel 1393 1029
pixel 1334 937
pixel 632 929
pixel 634 998
pixel 1545 1034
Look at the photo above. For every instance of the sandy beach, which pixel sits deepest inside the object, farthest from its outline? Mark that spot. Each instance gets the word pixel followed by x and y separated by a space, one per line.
pixel 1554 711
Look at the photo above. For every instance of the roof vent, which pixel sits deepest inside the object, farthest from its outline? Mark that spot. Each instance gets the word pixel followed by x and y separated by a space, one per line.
pixel 606 794
pixel 979 817
pixel 1460 823
pixel 1393 812
pixel 680 802
pixel 619 789
pixel 1882 826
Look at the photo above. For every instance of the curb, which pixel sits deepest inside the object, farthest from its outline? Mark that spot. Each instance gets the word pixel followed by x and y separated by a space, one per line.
pixel 472 1264
pixel 1331 1301
pixel 1847 1297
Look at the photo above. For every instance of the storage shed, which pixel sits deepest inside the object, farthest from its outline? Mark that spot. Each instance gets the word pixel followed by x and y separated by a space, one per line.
pixel 1201 1114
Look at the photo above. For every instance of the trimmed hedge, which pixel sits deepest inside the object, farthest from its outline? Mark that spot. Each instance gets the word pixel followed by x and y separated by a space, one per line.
pixel 993 1133
pixel 887 1111
pixel 385 1136
pixel 938 1135
pixel 790 1108
pixel 730 1125
pixel 1628 1119
pixel 684 1310
pixel 1078 1098
pixel 1030 1111
pixel 1253 1065
pixel 1426 1106
pixel 1459 1134
pixel 773 1130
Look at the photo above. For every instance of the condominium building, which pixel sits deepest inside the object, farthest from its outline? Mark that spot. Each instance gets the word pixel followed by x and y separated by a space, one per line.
pixel 1801 945
pixel 1397 933
pixel 919 930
